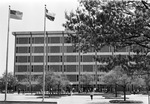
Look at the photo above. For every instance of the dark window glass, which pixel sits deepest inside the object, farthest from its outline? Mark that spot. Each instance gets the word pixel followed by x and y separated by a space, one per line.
pixel 28 58
pixel 72 78
pixel 87 58
pixel 28 49
pixel 22 49
pixel 70 49
pixel 55 49
pixel 54 40
pixel 54 58
pixel 37 68
pixel 22 68
pixel 38 40
pixel 49 39
pixel 70 68
pixel 38 49
pixel 38 58
pixel 71 58
pixel 23 40
pixel 87 68
pixel 22 59
pixel 81 58
pixel 55 68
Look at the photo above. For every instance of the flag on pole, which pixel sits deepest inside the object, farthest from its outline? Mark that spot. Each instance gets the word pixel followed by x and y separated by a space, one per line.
pixel 16 14
pixel 50 16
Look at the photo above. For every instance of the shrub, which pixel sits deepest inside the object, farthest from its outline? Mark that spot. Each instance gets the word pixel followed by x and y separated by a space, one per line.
pixel 122 101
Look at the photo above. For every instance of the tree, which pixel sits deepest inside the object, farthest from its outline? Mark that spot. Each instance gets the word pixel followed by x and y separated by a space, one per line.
pixel 54 81
pixel 115 23
pixel 61 82
pixel 11 81
pixel 29 82
pixel 86 79
pixel 117 76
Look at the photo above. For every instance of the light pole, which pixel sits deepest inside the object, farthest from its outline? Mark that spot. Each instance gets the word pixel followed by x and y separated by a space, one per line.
pixel 148 55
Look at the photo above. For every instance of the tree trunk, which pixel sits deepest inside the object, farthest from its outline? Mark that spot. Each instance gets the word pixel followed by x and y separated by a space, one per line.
pixel 124 91
pixel 115 90
pixel 58 88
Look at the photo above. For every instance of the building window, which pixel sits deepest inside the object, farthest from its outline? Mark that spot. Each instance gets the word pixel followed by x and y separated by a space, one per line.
pixel 28 58
pixel 70 49
pixel 37 68
pixel 70 68
pixel 72 78
pixel 17 41
pixel 22 68
pixel 28 49
pixel 55 49
pixel 61 59
pixel 54 58
pixel 16 58
pixel 22 50
pixel 21 59
pixel 87 58
pixel 81 58
pixel 71 58
pixel 38 49
pixel 23 40
pixel 38 58
pixel 54 40
pixel 38 40
pixel 87 68
pixel 32 69
pixel 55 68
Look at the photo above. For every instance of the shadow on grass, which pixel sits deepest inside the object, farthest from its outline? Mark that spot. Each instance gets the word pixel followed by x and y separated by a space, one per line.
pixel 54 97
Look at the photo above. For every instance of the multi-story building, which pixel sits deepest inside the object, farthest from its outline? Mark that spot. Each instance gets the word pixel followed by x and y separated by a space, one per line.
pixel 60 56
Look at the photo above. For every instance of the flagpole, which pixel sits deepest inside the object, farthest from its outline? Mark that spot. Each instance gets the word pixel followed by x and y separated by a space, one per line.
pixel 44 67
pixel 7 55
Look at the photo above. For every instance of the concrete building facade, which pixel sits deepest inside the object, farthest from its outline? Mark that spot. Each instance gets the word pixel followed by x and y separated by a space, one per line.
pixel 60 57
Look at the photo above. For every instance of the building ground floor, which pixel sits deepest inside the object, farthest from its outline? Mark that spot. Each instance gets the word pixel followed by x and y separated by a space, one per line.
pixel 79 88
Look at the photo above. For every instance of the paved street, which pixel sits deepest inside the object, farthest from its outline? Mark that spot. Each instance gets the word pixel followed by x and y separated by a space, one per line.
pixel 69 99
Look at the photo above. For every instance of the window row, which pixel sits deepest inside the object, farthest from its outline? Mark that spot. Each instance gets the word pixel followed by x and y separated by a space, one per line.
pixel 84 58
pixel 72 78
pixel 55 49
pixel 55 68
pixel 40 40
pixel 24 59
pixel 40 49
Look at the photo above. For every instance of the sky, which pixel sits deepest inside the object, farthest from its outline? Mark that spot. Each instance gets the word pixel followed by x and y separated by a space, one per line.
pixel 33 20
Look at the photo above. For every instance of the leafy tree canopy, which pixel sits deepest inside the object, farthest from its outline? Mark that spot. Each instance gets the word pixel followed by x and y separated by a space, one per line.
pixel 86 79
pixel 11 80
pixel 115 23
pixel 53 80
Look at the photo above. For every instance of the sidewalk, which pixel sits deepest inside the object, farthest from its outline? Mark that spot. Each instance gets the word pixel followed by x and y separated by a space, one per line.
pixel 75 99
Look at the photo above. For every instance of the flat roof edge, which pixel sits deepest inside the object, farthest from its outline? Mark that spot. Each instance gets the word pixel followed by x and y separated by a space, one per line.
pixel 38 32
